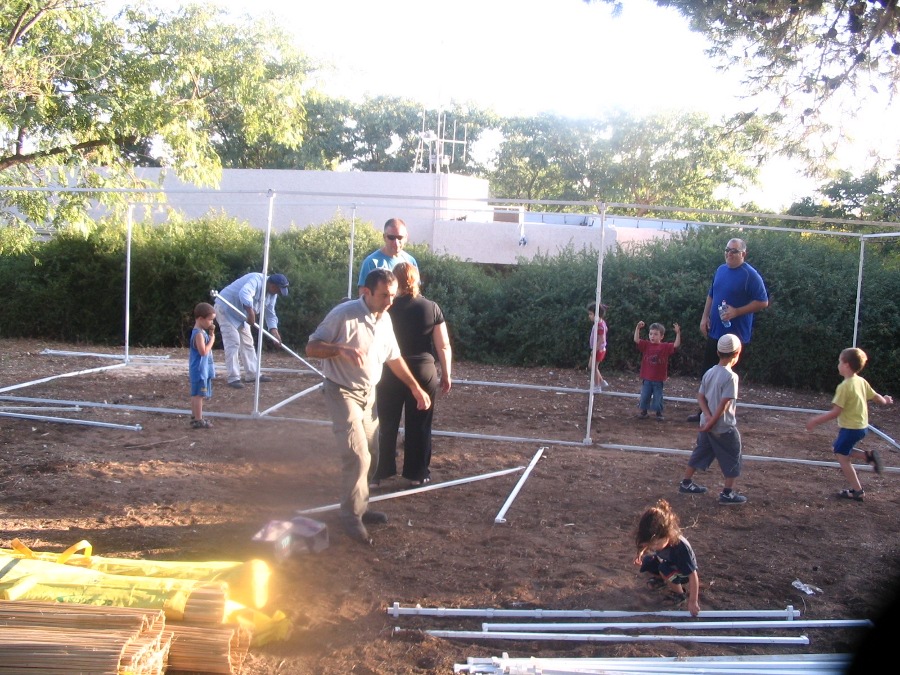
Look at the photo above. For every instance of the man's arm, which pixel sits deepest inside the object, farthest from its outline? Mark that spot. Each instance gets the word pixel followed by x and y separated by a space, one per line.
pixel 401 370
pixel 317 349
pixel 704 320
pixel 750 308
pixel 444 353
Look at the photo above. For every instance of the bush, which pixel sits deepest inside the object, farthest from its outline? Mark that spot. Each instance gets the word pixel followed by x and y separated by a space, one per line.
pixel 532 313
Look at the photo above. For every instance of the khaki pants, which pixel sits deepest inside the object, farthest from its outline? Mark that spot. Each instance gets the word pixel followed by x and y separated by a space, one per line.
pixel 355 427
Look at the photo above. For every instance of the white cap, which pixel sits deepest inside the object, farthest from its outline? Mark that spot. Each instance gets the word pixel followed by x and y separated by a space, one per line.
pixel 728 344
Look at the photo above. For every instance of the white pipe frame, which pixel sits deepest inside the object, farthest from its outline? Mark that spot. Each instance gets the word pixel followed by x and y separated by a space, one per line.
pixel 353 200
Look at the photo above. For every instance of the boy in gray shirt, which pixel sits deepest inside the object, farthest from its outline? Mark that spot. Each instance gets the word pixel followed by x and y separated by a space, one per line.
pixel 718 437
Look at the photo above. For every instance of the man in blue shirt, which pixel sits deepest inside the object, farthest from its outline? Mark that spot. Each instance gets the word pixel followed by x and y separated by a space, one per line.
pixel 743 292
pixel 389 255
pixel 247 293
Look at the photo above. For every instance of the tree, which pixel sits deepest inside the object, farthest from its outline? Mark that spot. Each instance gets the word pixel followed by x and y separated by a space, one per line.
pixel 871 196
pixel 86 96
pixel 800 53
pixel 664 159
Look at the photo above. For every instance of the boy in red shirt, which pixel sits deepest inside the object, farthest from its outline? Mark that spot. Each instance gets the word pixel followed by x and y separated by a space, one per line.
pixel 654 365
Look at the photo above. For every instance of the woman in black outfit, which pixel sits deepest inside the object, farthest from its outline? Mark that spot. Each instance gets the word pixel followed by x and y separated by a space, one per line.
pixel 421 333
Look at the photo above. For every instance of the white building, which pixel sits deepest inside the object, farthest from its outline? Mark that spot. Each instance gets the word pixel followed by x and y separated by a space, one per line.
pixel 451 214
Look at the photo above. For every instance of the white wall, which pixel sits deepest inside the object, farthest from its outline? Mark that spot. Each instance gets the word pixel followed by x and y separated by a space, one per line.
pixel 449 213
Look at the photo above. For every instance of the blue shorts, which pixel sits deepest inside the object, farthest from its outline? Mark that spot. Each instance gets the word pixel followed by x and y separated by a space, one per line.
pixel 201 388
pixel 846 439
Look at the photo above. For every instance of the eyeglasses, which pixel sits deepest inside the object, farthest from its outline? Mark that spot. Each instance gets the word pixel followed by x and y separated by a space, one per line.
pixel 394 237
pixel 733 250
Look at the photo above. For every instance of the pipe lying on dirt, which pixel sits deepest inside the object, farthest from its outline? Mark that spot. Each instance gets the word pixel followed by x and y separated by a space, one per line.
pixel 395 610
pixel 148 357
pixel 771 664
pixel 684 625
pixel 424 488
pixel 87 371
pixel 68 420
pixel 499 518
pixel 594 637
pixel 752 458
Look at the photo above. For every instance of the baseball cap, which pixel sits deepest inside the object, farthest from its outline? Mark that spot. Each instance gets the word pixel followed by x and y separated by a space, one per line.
pixel 728 344
pixel 281 281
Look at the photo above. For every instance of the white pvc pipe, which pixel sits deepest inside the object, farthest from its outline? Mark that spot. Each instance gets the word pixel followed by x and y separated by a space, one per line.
pixel 129 221
pixel 67 420
pixel 60 352
pixel 289 399
pixel 774 664
pixel 499 518
pixel 396 610
pixel 507 439
pixel 100 369
pixel 683 625
pixel 215 295
pixel 593 637
pixel 752 458
pixel 424 488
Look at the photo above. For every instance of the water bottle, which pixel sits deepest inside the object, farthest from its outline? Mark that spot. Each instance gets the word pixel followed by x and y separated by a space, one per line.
pixel 722 309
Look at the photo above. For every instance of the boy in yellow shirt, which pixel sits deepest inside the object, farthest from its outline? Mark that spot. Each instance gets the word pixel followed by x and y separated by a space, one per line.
pixel 850 407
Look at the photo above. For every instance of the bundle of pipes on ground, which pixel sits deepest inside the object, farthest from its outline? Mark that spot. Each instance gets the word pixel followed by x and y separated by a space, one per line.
pixel 51 637
pixel 775 664
pixel 599 625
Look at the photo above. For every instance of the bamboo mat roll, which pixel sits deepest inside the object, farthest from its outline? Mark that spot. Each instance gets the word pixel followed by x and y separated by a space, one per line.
pixel 210 649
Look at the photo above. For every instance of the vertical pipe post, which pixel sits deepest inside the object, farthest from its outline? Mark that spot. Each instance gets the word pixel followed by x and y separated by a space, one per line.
pixel 597 296
pixel 261 319
pixel 128 228
pixel 859 280
pixel 352 244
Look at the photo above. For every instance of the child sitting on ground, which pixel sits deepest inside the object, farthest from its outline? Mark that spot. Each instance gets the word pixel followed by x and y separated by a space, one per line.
pixel 654 365
pixel 598 337
pixel 718 437
pixel 201 368
pixel 851 409
pixel 666 555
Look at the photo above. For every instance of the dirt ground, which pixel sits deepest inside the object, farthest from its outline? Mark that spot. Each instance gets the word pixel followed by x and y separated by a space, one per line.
pixel 170 492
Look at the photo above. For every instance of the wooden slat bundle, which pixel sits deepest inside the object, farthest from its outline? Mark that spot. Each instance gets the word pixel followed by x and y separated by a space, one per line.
pixel 210 649
pixel 45 638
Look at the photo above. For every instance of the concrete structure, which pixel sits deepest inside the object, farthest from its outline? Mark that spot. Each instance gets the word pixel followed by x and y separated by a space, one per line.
pixel 451 214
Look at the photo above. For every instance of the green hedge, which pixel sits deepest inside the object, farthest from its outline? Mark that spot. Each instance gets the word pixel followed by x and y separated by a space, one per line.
pixel 71 288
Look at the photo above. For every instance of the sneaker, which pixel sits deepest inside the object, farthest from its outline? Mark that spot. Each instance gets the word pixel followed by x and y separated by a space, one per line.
pixel 643 415
pixel 419 483
pixel 694 418
pixel 855 495
pixel 374 518
pixel 265 378
pixel 660 417
pixel 873 457
pixel 692 488
pixel 731 497
pixel 236 384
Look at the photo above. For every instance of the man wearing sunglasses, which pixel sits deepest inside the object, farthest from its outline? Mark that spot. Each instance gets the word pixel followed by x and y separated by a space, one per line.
pixel 389 255
pixel 736 293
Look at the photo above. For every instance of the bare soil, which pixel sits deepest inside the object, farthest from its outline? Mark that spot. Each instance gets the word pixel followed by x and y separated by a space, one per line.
pixel 172 492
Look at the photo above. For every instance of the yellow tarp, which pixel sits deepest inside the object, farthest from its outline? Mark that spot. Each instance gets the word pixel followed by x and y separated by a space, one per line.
pixel 83 578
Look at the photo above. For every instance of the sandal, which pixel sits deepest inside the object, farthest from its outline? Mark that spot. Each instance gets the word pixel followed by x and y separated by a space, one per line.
pixel 201 424
pixel 855 495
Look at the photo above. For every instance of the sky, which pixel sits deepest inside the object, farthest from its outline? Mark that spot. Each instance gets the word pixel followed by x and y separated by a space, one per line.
pixel 523 57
